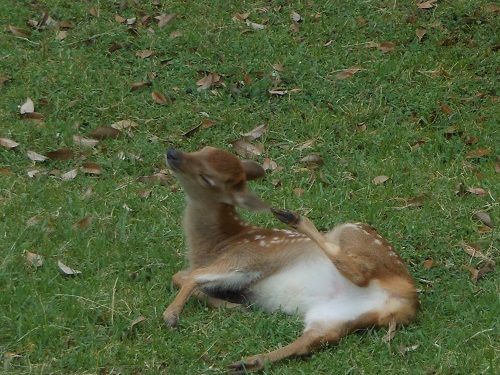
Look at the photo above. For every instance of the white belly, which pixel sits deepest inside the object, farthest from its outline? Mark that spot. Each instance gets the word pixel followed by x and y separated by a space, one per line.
pixel 314 288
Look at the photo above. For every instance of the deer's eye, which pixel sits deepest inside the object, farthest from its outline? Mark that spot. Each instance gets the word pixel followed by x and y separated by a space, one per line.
pixel 207 180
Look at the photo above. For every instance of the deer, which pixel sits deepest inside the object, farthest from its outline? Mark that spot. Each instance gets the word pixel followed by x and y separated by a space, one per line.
pixel 347 279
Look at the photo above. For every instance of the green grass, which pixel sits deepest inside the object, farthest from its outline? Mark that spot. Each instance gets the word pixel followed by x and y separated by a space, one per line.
pixel 80 325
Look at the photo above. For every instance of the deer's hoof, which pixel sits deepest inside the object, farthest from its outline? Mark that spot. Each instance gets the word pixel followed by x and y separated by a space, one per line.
pixel 285 216
pixel 246 365
pixel 171 318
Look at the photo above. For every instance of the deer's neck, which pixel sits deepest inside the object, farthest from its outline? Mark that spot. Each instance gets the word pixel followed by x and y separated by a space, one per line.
pixel 206 225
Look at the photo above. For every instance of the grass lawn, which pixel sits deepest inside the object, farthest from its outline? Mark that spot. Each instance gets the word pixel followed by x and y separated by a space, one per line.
pixel 422 112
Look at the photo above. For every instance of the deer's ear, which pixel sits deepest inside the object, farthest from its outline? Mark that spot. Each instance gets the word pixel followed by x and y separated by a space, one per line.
pixel 252 169
pixel 250 201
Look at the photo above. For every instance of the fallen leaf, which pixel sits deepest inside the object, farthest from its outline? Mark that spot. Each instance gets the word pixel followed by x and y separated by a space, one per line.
pixel 420 34
pixel 136 321
pixel 6 172
pixel 4 79
pixel 427 4
pixel 191 131
pixel 176 34
pixel 164 19
pixel 60 154
pixel 144 54
pixel 120 19
pixel 84 142
pixel 124 124
pixel 413 202
pixel 33 116
pixel 104 132
pixel 159 98
pixel 418 144
pixel 492 8
pixel 477 191
pixel 114 47
pixel 211 79
pixel 65 25
pixel 428 263
pixel 298 192
pixel 474 251
pixel 27 107
pixel 91 168
pixel 477 153
pixel 380 180
pixel 484 218
pixel 8 143
pixel 70 175
pixel 61 35
pixel 83 223
pixel 144 194
pixel 240 16
pixel 407 349
pixel 471 140
pixel 297 17
pixel 386 47
pixel 478 273
pixel 17 31
pixel 256 133
pixel 67 271
pixel 33 172
pixel 255 26
pixel 446 108
pixel 269 165
pixel 139 85
pixel 207 123
pixel 246 149
pixel 33 259
pixel 159 177
pixel 34 156
pixel 313 160
pixel 306 144
pixel 278 67
pixel 347 73
pixel 94 12
pixel 295 27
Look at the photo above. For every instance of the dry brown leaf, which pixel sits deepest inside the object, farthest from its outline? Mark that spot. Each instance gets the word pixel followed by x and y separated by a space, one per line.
pixel 298 192
pixel 64 25
pixel 124 124
pixel 347 73
pixel 164 19
pixel 474 251
pixel 67 271
pixel 446 108
pixel 313 160
pixel 414 202
pixel 207 123
pixel 380 180
pixel 33 172
pixel 94 12
pixel 60 154
pixel 477 191
pixel 420 34
pixel 144 54
pixel 27 107
pixel 483 269
pixel 139 85
pixel 4 79
pixel 269 165
pixel 136 321
pixel 427 4
pixel 471 139
pixel 120 19
pixel 484 218
pixel 114 47
pixel 294 27
pixel 33 116
pixel 240 16
pixel 61 35
pixel 17 31
pixel 83 223
pixel 104 132
pixel 492 8
pixel 478 153
pixel 34 156
pixel 256 133
pixel 84 142
pixel 159 98
pixel 254 25
pixel 70 175
pixel 33 259
pixel 246 149
pixel 211 79
pixel 91 168
pixel 159 177
pixel 176 34
pixel 296 17
pixel 144 194
pixel 386 47
pixel 306 144
pixel 191 131
pixel 428 264
pixel 6 172
pixel 278 67
pixel 8 143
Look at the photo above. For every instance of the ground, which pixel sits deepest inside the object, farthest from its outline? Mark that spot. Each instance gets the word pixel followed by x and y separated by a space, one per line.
pixel 419 107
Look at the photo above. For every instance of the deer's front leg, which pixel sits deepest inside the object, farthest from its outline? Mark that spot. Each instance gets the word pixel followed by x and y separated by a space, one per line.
pixel 222 275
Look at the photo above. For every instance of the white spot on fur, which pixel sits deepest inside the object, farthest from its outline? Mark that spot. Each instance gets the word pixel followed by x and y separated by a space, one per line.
pixel 377 242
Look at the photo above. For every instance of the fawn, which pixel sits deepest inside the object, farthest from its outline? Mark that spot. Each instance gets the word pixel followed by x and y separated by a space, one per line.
pixel 341 281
